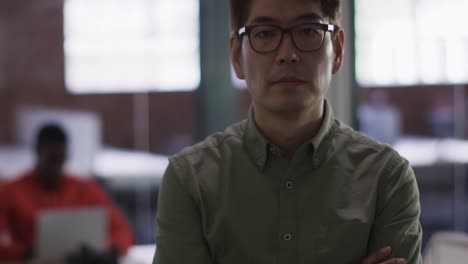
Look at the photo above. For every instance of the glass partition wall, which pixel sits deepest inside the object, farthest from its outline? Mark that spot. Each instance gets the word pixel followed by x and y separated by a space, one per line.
pixel 411 58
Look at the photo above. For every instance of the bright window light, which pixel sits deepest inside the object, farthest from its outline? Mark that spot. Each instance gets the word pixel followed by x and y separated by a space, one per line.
pixel 114 46
pixel 411 42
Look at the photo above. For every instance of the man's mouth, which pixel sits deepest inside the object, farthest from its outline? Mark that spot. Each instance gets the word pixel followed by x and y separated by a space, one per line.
pixel 289 81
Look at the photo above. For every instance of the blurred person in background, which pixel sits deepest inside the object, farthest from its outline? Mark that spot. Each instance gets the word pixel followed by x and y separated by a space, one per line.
pixel 47 186
pixel 291 184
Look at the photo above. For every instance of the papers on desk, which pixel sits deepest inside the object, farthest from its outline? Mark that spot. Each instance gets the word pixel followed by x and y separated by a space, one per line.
pixel 141 254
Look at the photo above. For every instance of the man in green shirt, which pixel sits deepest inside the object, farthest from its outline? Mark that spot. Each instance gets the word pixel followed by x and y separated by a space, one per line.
pixel 290 184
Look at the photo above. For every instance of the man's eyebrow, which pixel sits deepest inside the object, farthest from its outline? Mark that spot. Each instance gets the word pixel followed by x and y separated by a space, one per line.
pixel 309 16
pixel 272 20
pixel 264 19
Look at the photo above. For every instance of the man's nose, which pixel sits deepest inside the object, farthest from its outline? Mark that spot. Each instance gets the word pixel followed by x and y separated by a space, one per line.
pixel 287 51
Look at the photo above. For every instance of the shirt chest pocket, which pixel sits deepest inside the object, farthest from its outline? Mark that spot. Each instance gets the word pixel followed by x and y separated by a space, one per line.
pixel 345 244
pixel 347 233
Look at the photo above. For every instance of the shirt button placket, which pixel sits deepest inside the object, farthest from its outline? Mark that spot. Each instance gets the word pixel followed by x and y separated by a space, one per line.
pixel 288 219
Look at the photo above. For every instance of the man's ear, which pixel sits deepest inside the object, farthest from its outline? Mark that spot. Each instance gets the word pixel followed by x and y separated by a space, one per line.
pixel 338 48
pixel 235 52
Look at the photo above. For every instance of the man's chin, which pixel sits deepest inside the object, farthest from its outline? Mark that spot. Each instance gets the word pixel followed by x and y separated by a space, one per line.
pixel 288 108
pixel 292 105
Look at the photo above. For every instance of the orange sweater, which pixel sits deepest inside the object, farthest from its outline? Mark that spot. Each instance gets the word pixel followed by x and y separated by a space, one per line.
pixel 22 199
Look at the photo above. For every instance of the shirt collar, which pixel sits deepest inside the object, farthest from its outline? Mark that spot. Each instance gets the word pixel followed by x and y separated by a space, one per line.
pixel 255 142
pixel 257 146
pixel 35 176
pixel 327 124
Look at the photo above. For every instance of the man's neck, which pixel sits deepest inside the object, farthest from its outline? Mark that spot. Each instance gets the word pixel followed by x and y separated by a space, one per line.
pixel 289 131
pixel 47 184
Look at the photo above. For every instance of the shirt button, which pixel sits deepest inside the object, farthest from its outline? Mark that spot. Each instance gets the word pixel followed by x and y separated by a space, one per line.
pixel 289 185
pixel 274 151
pixel 287 237
pixel 315 162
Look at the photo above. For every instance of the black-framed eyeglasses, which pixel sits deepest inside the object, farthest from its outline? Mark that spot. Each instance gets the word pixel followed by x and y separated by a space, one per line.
pixel 307 37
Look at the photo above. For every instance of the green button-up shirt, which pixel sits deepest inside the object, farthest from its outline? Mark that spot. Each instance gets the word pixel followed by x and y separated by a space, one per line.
pixel 233 199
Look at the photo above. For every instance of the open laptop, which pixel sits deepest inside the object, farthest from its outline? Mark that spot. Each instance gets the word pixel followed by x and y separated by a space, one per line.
pixel 63 231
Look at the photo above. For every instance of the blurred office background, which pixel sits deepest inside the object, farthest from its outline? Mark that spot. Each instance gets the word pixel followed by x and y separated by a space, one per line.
pixel 134 81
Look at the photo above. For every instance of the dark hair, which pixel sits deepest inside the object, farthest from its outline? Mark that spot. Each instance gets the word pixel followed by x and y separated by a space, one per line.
pixel 50 133
pixel 240 10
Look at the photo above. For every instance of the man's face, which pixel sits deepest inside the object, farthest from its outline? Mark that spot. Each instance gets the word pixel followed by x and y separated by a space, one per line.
pixel 50 160
pixel 287 80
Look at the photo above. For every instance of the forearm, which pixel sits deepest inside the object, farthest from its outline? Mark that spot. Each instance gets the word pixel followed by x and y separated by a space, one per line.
pixel 121 234
pixel 404 239
pixel 397 218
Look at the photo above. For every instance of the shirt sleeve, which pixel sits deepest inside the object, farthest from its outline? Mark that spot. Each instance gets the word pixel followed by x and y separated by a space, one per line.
pixel 397 214
pixel 11 248
pixel 180 236
pixel 121 235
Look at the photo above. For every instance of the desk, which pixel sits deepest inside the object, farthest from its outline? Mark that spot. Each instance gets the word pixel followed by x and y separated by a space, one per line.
pixel 140 254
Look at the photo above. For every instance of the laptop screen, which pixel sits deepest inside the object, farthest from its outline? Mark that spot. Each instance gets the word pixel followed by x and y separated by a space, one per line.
pixel 64 231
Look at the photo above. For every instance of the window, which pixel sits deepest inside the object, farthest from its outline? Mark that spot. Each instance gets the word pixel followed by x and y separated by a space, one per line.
pixel 131 45
pixel 410 42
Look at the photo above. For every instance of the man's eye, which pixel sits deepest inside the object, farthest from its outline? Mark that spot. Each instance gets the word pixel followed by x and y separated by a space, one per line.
pixel 265 34
pixel 309 31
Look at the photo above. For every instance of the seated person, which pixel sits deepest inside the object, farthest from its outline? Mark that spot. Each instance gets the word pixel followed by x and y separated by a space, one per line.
pixel 47 186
